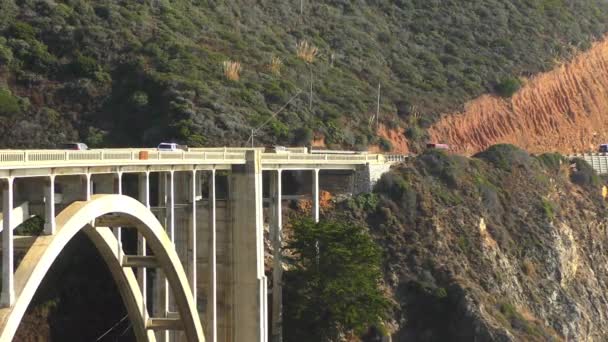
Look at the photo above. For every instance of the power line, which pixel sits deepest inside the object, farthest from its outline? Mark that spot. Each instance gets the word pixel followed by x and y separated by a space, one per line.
pixel 112 328
pixel 257 129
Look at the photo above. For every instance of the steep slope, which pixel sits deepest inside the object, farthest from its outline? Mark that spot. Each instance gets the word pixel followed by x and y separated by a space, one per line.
pixel 501 247
pixel 136 72
pixel 563 110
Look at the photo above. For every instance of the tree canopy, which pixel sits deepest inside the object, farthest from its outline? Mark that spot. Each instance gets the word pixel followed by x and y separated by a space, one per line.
pixel 333 284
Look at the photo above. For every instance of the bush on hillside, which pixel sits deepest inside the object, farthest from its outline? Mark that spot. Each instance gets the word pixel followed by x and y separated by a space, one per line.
pixel 584 174
pixel 508 86
pixel 506 157
pixel 9 104
pixel 449 169
pixel 552 161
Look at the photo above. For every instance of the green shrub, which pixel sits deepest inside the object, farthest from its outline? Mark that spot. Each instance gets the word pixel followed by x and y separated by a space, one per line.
pixel 9 104
pixel 22 30
pixel 414 133
pixel 385 144
pixel 449 169
pixel 551 161
pixel 139 99
pixel 584 174
pixel 506 157
pixel 6 55
pixel 508 86
pixel 31 226
pixel 548 209
pixel 84 66
pixel 302 136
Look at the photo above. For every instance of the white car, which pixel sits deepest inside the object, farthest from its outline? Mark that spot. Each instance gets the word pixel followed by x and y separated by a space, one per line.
pixel 168 147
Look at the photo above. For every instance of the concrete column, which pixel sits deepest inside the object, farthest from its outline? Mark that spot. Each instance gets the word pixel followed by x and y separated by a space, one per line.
pixel 192 239
pixel 86 187
pixel 118 230
pixel 212 300
pixel 249 287
pixel 144 197
pixel 49 206
pixel 7 298
pixel 160 301
pixel 315 194
pixel 276 225
pixel 170 194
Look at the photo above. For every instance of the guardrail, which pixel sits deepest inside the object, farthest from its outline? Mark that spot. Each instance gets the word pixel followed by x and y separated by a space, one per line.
pixel 43 157
pixel 22 158
pixel 396 158
pixel 598 161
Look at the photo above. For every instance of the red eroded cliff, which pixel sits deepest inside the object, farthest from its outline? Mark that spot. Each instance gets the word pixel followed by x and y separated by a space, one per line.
pixel 563 110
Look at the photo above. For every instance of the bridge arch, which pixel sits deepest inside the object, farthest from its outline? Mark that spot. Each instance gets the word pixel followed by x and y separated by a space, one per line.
pixel 79 216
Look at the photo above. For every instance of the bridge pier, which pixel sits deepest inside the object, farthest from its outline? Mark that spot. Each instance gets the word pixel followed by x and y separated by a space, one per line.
pixel 276 233
pixel 7 297
pixel 249 287
pixel 49 206
pixel 144 197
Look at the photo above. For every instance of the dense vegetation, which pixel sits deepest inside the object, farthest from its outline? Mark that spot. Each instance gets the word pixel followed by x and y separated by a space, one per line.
pixel 206 72
pixel 332 287
pixel 475 246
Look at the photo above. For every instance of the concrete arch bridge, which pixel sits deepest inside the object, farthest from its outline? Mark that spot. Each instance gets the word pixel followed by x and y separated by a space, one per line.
pixel 199 218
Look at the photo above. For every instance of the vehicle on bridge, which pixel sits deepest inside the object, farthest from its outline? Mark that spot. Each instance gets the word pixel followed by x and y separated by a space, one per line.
pixel 171 147
pixel 445 147
pixel 74 146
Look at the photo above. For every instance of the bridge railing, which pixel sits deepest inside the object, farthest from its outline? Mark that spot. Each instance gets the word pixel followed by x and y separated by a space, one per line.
pixel 598 161
pixel 276 158
pixel 396 158
pixel 10 158
pixel 29 157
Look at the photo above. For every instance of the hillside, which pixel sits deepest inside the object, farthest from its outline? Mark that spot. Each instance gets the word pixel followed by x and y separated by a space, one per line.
pixel 133 73
pixel 563 110
pixel 500 247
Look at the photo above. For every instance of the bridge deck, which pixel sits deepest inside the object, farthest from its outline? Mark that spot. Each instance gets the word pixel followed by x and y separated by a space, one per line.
pixel 134 159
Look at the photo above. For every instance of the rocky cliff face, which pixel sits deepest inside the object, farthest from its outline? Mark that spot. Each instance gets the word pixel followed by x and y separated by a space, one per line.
pixel 563 110
pixel 503 247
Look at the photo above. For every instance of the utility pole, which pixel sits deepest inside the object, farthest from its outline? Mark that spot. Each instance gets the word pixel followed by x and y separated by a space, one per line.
pixel 252 137
pixel 378 109
pixel 310 97
pixel 301 7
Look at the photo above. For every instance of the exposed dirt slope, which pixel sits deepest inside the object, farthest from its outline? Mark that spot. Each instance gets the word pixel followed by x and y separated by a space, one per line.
pixel 564 110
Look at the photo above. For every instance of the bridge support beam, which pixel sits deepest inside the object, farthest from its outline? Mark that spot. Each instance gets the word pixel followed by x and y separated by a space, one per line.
pixel 192 239
pixel 86 187
pixel 49 206
pixel 249 287
pixel 276 226
pixel 315 195
pixel 118 231
pixel 144 197
pixel 7 298
pixel 212 296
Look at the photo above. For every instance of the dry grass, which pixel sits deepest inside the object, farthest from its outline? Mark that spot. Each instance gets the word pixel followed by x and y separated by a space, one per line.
pixel 306 52
pixel 232 70
pixel 275 65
